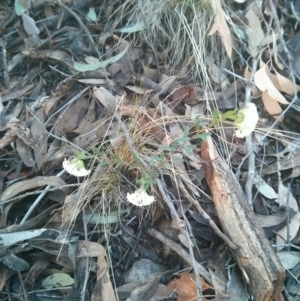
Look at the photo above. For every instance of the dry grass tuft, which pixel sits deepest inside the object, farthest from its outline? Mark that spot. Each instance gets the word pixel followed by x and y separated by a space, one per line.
pixel 177 32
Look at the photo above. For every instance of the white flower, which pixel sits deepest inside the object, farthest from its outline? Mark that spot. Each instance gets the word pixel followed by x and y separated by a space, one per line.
pixel 246 121
pixel 75 167
pixel 140 198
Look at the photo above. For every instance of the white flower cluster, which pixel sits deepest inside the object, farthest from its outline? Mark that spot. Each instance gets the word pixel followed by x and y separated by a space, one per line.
pixel 75 167
pixel 249 121
pixel 140 198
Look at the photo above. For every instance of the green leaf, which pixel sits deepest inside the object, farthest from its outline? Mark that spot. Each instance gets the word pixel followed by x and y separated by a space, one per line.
pixel 82 67
pixel 186 130
pixel 239 118
pixel 80 155
pixel 139 26
pixel 136 158
pixel 57 280
pixel 19 8
pixel 203 136
pixel 113 217
pixel 97 152
pixel 189 149
pixel 103 163
pixel 182 139
pixel 166 148
pixel 91 16
pixel 215 116
pixel 155 159
pixel 198 124
pixel 231 115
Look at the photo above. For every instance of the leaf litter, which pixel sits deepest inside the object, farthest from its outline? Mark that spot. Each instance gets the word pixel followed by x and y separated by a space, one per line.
pixel 126 144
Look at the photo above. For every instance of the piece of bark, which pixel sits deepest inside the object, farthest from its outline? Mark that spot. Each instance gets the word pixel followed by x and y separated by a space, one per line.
pixel 258 262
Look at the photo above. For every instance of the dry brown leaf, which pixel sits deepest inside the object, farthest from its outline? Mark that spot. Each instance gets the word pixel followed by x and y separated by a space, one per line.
pixel 58 55
pixel 290 161
pixel 88 118
pixel 254 32
pixel 103 289
pixel 264 83
pixel 22 132
pixel 153 74
pixel 22 186
pixel 271 220
pixel 221 26
pixel 138 90
pixel 286 85
pixel 9 137
pixel 271 105
pixel 17 94
pixel 213 70
pixel 40 136
pixel 185 286
pixel 146 291
pixel 51 103
pixel 90 249
pixel 70 210
pixel 25 153
pixel 166 81
pixel 219 275
pixel 282 83
pixel 71 117
pixel 106 99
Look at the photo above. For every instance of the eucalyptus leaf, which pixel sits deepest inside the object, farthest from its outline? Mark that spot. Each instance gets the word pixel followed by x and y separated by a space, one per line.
pixel 82 67
pixel 139 26
pixel 9 239
pixel 203 136
pixel 19 8
pixel 289 259
pixel 91 15
pixel 215 116
pixel 113 217
pixel 57 280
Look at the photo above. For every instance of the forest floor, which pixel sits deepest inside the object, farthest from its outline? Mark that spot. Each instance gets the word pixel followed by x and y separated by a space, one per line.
pixel 149 150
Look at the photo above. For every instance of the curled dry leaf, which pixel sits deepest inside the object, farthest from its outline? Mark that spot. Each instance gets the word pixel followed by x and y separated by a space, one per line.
pixel 286 85
pixel 271 105
pixel 21 186
pixel 106 99
pixel 264 83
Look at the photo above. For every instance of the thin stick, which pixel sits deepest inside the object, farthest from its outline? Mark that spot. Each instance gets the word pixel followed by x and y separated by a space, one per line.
pixel 37 201
pixel 251 161
pixel 181 252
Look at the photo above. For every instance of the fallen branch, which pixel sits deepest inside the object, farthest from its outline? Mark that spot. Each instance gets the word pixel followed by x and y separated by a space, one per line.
pixel 258 262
